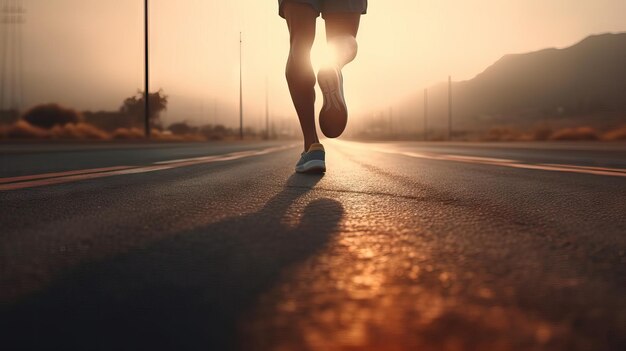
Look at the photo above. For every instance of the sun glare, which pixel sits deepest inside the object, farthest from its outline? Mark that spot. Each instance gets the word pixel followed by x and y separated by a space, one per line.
pixel 322 54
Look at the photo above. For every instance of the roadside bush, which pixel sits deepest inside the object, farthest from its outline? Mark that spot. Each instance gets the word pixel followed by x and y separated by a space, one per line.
pixel 49 115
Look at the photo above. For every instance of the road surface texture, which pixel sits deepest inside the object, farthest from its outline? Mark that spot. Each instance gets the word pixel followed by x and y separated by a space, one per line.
pixel 399 246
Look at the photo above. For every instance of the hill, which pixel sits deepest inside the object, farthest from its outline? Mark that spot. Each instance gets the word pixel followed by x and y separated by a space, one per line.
pixel 584 84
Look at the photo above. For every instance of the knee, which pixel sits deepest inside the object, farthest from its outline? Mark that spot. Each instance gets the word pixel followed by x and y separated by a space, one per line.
pixel 344 47
pixel 300 50
pixel 345 42
pixel 299 69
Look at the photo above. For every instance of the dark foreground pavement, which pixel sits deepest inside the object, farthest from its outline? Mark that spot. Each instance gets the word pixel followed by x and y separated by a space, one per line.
pixel 399 246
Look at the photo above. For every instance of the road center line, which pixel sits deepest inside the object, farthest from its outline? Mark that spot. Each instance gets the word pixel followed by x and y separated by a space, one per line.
pixel 603 171
pixel 38 180
pixel 619 170
pixel 60 174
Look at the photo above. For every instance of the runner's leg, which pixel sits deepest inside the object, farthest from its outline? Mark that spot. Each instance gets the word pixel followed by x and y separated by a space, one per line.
pixel 299 72
pixel 341 31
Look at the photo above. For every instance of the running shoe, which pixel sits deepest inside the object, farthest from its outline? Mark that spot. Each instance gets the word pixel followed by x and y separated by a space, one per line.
pixel 334 113
pixel 312 161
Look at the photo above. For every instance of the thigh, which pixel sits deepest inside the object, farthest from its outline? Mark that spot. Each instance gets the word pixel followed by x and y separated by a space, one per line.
pixel 315 4
pixel 341 23
pixel 300 19
pixel 343 16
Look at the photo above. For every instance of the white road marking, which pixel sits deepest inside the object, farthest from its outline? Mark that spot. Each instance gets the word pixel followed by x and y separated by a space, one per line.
pixel 603 171
pixel 15 183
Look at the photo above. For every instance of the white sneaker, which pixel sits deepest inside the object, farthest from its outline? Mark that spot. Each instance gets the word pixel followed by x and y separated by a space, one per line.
pixel 313 160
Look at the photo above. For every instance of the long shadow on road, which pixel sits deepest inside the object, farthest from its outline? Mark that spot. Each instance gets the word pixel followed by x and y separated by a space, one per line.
pixel 185 292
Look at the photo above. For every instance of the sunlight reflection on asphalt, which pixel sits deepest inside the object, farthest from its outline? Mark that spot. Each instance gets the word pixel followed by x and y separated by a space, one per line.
pixel 384 252
pixel 381 284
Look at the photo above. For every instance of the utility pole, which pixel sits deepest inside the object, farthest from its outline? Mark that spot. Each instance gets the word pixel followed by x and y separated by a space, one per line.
pixel 240 92
pixel 267 109
pixel 425 114
pixel 147 72
pixel 449 108
pixel 214 111
pixel 11 72
pixel 391 121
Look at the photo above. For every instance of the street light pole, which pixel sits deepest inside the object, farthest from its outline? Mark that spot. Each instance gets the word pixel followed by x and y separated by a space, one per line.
pixel 146 73
pixel 425 114
pixel 267 109
pixel 240 92
pixel 391 122
pixel 12 69
pixel 449 108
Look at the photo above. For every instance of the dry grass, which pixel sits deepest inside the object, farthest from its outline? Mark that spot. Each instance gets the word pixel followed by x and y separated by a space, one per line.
pixel 78 131
pixel 502 134
pixel 618 134
pixel 168 136
pixel 23 130
pixel 71 131
pixel 85 131
pixel 575 134
pixel 540 133
pixel 584 133
pixel 138 134
pixel 127 134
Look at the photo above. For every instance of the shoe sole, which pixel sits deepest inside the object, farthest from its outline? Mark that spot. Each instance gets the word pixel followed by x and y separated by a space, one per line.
pixel 334 113
pixel 314 166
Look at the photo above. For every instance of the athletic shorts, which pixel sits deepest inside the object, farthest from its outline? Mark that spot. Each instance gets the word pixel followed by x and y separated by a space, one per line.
pixel 327 6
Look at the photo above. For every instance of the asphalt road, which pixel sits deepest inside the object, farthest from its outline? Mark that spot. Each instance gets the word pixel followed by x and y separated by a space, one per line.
pixel 399 246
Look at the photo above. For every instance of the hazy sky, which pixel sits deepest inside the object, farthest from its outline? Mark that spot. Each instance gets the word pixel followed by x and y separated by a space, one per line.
pixel 87 54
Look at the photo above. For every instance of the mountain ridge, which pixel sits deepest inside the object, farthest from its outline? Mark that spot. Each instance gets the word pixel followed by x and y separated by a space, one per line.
pixel 583 83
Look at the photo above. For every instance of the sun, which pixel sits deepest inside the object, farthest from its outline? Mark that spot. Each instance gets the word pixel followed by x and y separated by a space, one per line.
pixel 323 54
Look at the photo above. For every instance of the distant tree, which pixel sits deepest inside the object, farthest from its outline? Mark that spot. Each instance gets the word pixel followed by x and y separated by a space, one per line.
pixel 135 106
pixel 49 115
